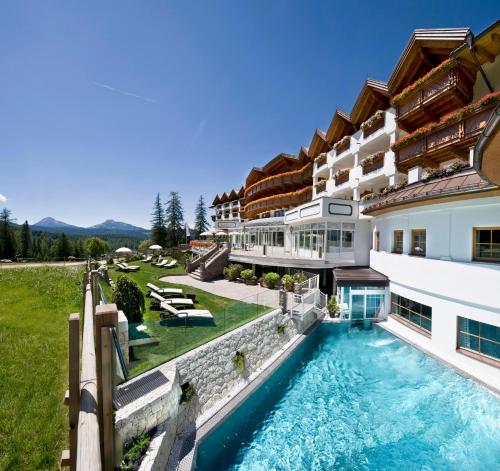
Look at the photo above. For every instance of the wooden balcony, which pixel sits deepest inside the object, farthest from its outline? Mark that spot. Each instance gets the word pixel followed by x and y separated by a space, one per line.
pixel 375 163
pixel 321 160
pixel 373 125
pixel 445 91
pixel 281 183
pixel 443 142
pixel 342 178
pixel 320 186
pixel 342 145
pixel 283 201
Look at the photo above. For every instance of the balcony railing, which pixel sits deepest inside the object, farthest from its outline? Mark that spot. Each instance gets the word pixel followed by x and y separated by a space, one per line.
pixel 272 184
pixel 320 186
pixel 442 142
pixel 342 145
pixel 373 163
pixel 372 125
pixel 269 203
pixel 342 177
pixel 445 90
pixel 320 160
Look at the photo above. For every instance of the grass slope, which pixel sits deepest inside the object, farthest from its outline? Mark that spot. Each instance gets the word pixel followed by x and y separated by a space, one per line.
pixel 34 307
pixel 175 335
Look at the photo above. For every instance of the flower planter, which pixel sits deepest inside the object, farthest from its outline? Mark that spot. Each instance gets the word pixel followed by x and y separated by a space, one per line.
pixel 342 145
pixel 373 163
pixel 342 177
pixel 321 186
pixel 372 125
pixel 320 161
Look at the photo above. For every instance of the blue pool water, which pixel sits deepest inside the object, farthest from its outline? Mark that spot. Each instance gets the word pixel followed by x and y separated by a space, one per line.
pixel 358 400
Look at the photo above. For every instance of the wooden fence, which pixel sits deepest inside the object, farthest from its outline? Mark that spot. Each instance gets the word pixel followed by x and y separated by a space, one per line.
pixel 90 393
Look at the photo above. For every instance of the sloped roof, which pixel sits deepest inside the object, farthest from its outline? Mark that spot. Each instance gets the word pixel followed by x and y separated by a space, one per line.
pixel 340 126
pixel 318 144
pixel 426 48
pixel 374 96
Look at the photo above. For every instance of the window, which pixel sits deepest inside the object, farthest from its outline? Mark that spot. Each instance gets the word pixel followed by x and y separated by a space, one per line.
pixel 487 243
pixel 418 242
pixel 478 337
pixel 377 241
pixel 397 246
pixel 409 311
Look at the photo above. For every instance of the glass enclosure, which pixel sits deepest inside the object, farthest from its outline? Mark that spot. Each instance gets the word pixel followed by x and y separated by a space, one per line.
pixel 363 302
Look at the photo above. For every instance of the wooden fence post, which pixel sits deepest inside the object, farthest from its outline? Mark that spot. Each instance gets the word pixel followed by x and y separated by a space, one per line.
pixel 106 317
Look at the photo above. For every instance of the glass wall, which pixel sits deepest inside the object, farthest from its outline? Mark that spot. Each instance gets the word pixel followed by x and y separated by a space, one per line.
pixel 479 337
pixel 363 302
pixel 417 314
pixel 273 236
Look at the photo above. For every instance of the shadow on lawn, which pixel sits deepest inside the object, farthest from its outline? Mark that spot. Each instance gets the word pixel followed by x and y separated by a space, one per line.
pixel 187 322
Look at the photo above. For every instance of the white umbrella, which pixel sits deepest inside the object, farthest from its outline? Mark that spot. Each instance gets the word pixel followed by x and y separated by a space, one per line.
pixel 155 247
pixel 221 233
pixel 206 233
pixel 234 233
pixel 123 250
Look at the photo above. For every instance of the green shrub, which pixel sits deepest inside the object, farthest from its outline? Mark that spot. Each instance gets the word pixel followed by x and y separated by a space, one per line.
pixel 247 274
pixel 270 279
pixel 187 392
pixel 288 281
pixel 136 451
pixel 129 298
pixel 332 307
pixel 299 277
pixel 239 360
pixel 280 328
pixel 233 271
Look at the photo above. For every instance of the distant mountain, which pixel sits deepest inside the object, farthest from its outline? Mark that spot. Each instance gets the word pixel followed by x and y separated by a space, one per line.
pixel 108 227
pixel 51 222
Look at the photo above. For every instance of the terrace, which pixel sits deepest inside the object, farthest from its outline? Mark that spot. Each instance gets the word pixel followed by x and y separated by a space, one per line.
pixel 447 139
pixel 443 89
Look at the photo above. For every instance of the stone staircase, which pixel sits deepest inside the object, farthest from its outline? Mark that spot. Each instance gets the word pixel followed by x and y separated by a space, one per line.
pixel 212 266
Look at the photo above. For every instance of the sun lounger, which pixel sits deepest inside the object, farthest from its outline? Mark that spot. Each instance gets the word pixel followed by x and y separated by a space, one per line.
pixel 161 264
pixel 164 291
pixel 183 313
pixel 126 267
pixel 147 259
pixel 184 302
pixel 170 264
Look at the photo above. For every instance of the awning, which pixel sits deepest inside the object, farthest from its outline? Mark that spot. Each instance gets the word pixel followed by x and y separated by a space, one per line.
pixel 359 276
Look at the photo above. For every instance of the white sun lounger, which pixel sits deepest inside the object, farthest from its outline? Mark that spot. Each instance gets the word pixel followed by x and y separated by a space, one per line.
pixel 167 291
pixel 186 302
pixel 147 259
pixel 126 267
pixel 183 313
pixel 161 264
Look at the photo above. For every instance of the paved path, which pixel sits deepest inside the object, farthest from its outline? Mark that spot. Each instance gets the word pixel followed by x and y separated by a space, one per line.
pixel 41 264
pixel 229 289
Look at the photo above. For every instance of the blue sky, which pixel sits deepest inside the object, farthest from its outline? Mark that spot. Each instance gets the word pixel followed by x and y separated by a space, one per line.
pixel 106 103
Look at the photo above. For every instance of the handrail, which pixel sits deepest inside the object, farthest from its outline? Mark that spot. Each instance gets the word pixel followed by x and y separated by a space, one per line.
pixel 88 444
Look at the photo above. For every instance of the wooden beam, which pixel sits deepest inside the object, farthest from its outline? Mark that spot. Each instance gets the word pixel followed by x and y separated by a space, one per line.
pixel 484 53
pixel 74 385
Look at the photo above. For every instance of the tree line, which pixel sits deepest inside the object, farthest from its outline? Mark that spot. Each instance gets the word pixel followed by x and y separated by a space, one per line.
pixel 168 227
pixel 20 242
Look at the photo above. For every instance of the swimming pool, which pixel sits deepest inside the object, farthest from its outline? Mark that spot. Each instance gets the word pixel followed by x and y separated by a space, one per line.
pixel 352 399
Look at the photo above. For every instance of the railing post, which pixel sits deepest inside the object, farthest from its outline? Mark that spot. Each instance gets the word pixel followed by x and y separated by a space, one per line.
pixel 106 316
pixel 74 385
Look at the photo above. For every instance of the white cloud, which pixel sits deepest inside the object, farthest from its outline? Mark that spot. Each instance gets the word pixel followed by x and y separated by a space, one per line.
pixel 3 199
pixel 123 92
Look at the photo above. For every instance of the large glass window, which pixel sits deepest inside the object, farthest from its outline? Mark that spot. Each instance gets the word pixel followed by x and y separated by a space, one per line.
pixel 487 243
pixel 419 315
pixel 397 245
pixel 418 242
pixel 479 337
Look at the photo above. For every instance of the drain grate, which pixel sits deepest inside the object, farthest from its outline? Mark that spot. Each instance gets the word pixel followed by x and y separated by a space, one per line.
pixel 135 390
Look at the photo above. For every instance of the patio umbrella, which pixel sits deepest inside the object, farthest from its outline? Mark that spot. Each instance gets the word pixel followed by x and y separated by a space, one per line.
pixel 207 233
pixel 155 247
pixel 221 233
pixel 123 250
pixel 234 233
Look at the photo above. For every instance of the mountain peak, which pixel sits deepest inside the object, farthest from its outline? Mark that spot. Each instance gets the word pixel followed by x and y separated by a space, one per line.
pixel 51 222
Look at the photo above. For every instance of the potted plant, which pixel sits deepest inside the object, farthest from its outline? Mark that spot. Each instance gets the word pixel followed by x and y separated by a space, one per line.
pixel 248 277
pixel 332 307
pixel 288 281
pixel 270 279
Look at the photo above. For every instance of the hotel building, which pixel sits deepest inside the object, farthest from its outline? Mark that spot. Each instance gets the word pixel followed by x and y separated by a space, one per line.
pixel 397 204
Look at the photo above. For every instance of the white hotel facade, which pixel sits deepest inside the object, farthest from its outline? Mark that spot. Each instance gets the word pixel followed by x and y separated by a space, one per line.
pixel 402 210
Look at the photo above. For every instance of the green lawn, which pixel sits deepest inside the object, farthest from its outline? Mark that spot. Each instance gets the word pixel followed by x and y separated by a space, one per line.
pixel 175 335
pixel 34 307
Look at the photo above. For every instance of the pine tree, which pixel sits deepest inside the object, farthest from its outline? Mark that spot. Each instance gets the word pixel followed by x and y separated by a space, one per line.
pixel 63 246
pixel 81 249
pixel 7 241
pixel 200 222
pixel 26 241
pixel 174 218
pixel 158 229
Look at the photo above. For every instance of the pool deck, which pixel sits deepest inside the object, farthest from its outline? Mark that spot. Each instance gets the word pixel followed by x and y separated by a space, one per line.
pixel 486 375
pixel 183 455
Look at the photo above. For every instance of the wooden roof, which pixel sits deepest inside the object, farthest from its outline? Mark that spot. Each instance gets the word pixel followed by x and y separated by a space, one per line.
pixel 374 96
pixel 425 49
pixel 279 164
pixel 318 144
pixel 340 126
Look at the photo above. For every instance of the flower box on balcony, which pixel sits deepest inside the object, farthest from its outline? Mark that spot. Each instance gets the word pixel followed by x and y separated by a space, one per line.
pixel 373 162
pixel 444 88
pixel 373 124
pixel 320 160
pixel 446 139
pixel 342 145
pixel 320 186
pixel 342 176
